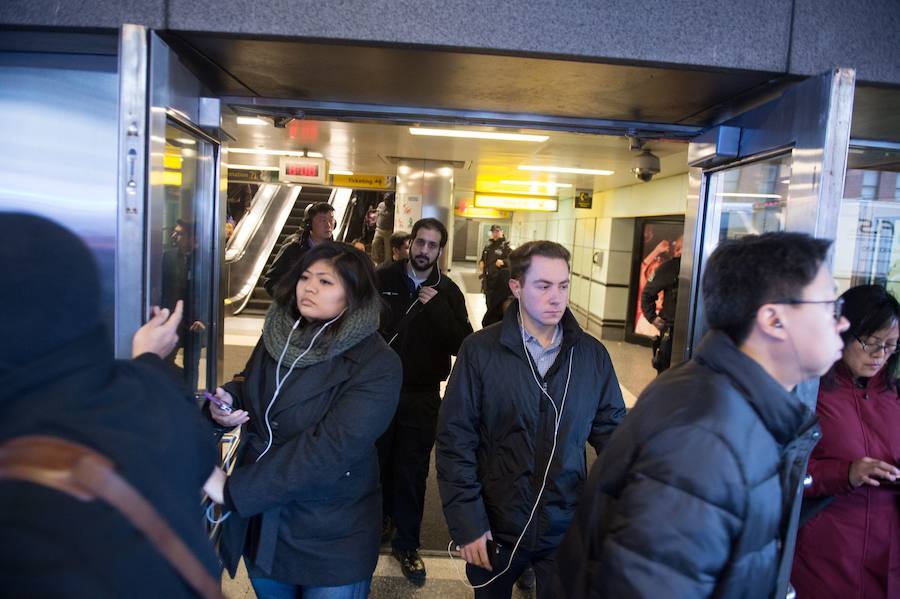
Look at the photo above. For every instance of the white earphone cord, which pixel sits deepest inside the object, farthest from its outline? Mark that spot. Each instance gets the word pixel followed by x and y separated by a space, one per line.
pixel 416 301
pixel 537 501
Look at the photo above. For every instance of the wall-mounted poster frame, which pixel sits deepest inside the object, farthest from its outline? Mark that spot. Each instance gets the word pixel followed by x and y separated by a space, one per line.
pixel 654 239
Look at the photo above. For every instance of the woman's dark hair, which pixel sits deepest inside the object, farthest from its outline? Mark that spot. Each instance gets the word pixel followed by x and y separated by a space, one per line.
pixel 352 266
pixel 869 308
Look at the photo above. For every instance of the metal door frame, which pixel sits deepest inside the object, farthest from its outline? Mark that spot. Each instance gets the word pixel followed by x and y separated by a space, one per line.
pixel 811 121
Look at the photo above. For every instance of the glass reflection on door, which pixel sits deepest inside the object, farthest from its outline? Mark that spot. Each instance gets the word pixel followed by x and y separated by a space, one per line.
pixel 867 245
pixel 181 262
pixel 750 198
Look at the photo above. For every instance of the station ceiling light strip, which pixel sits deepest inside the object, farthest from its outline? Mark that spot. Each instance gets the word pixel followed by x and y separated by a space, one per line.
pixel 253 121
pixel 537 183
pixel 565 169
pixel 477 134
pixel 262 152
pixel 339 172
pixel 516 202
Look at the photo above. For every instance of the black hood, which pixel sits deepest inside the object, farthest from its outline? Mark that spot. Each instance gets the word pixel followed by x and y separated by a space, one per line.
pixel 50 292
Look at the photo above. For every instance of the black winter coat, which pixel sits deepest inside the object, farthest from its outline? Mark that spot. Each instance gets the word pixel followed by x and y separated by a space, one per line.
pixel 289 255
pixel 143 418
pixel 313 503
pixel 427 335
pixel 495 433
pixel 694 493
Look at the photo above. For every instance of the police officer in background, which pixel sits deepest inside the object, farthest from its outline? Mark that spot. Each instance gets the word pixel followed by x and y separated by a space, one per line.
pixel 665 280
pixel 494 261
pixel 426 324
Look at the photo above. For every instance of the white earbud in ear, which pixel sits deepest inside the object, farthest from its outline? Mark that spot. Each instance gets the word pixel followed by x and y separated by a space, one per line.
pixel 778 324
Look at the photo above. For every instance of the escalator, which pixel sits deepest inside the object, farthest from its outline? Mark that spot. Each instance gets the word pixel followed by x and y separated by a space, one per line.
pixel 275 213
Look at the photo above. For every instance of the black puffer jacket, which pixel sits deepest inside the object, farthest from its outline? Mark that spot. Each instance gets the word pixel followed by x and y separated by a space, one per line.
pixel 495 433
pixel 693 495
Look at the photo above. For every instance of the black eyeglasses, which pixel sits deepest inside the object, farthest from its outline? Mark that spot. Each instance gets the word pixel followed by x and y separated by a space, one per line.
pixel 837 304
pixel 874 348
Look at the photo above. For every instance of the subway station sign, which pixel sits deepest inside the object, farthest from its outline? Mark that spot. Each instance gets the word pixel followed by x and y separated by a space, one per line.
pixel 363 181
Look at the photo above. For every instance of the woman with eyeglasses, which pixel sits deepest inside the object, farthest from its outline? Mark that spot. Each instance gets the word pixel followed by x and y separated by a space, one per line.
pixel 851 547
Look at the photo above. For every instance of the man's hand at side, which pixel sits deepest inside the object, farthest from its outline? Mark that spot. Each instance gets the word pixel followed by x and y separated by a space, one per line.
pixel 476 552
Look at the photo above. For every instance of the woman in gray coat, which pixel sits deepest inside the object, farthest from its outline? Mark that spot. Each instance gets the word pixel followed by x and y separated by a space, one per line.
pixel 320 387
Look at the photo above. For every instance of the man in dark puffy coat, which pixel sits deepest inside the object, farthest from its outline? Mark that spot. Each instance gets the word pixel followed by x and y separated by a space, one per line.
pixel 524 398
pixel 697 493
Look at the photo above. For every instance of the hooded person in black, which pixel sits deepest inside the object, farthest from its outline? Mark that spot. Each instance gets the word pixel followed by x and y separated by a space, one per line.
pixel 58 377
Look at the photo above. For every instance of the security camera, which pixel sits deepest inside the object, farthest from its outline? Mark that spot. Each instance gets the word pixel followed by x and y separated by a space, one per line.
pixel 646 164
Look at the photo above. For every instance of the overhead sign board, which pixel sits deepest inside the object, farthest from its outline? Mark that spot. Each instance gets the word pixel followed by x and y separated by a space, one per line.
pixel 363 181
pixel 303 170
pixel 584 198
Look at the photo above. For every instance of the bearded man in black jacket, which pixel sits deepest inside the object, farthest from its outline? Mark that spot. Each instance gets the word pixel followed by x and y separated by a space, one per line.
pixel 697 494
pixel 525 396
pixel 426 324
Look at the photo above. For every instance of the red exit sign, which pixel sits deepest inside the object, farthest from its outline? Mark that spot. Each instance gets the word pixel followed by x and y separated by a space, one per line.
pixel 302 170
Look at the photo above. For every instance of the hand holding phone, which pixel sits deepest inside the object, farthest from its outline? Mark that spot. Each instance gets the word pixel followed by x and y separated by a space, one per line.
pixel 225 407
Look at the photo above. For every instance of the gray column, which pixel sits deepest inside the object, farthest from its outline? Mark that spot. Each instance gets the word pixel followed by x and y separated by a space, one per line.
pixel 425 189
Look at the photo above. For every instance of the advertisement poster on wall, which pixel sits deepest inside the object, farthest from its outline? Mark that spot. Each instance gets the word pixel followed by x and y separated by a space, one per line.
pixel 654 244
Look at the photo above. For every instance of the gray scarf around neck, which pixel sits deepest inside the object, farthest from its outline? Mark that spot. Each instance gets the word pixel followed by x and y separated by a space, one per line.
pixel 352 328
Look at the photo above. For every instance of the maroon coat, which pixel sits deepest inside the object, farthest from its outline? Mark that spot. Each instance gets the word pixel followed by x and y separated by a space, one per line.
pixel 851 549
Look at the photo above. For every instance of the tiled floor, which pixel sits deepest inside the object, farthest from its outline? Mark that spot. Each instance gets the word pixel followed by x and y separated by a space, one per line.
pixel 632 364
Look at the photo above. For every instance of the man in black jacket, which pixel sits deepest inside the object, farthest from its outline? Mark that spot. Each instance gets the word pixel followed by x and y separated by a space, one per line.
pixel 426 325
pixel 665 280
pixel 493 264
pixel 525 396
pixel 318 225
pixel 698 492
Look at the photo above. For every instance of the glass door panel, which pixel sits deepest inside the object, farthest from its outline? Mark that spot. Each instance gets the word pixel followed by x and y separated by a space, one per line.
pixel 867 244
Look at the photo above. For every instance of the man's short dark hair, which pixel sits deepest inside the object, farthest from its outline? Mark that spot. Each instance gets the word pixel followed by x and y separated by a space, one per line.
pixel 745 274
pixel 520 258
pixel 430 223
pixel 398 238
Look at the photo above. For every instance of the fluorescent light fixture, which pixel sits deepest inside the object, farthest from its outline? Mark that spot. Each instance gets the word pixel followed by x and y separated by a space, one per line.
pixel 252 120
pixel 565 169
pixel 250 167
pixel 773 196
pixel 538 183
pixel 186 141
pixel 314 154
pixel 477 134
pixel 339 172
pixel 262 152
pixel 516 202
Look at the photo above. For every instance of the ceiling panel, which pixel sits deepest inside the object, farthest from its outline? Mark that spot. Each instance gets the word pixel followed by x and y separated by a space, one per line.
pixel 461 80
pixel 360 147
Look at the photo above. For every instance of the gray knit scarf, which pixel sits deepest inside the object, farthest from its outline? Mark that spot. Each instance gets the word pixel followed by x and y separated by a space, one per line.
pixel 353 327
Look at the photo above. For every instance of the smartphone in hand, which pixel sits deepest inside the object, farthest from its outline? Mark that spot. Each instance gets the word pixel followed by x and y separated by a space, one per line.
pixel 218 402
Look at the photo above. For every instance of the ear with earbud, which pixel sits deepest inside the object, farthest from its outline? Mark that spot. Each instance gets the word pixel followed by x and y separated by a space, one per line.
pixel 778 325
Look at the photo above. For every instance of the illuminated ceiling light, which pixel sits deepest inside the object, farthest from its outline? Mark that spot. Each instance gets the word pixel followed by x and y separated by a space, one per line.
pixel 339 172
pixel 516 202
pixel 538 183
pixel 252 120
pixel 565 169
pixel 250 167
pixel 445 171
pixel 519 192
pixel 773 196
pixel 261 152
pixel 314 154
pixel 477 134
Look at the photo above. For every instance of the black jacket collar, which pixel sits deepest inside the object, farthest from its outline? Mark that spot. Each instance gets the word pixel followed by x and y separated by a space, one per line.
pixel 782 412
pixel 511 333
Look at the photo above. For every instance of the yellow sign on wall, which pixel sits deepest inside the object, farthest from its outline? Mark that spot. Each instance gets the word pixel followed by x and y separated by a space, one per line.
pixel 358 181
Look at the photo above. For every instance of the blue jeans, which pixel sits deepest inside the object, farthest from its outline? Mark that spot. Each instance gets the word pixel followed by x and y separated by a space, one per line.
pixel 267 588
